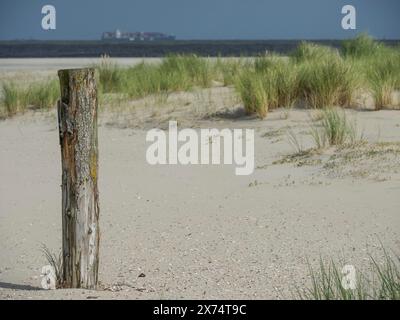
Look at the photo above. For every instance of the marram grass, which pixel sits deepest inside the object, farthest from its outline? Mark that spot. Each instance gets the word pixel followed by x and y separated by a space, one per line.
pixel 308 51
pixel 313 75
pixel 328 82
pixel 380 282
pixel 333 129
pixel 253 94
pixel 16 98
pixel 361 46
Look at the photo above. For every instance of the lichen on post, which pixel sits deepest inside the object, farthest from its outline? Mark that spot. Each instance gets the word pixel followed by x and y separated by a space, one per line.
pixel 77 119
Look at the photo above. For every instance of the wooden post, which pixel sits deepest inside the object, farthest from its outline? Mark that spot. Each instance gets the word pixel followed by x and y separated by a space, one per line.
pixel 77 120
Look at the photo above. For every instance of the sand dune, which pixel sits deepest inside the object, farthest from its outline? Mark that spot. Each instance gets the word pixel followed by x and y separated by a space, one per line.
pixel 201 231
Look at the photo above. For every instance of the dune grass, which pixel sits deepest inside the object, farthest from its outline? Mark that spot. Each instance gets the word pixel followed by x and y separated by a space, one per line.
pixel 378 65
pixel 16 98
pixel 361 46
pixel 383 73
pixel 307 51
pixel 42 95
pixel 327 82
pixel 313 75
pixel 323 77
pixel 56 262
pixel 191 70
pixel 280 79
pixel 269 83
pixel 110 75
pixel 333 129
pixel 228 70
pixel 381 283
pixel 11 97
pixel 253 94
pixel 174 73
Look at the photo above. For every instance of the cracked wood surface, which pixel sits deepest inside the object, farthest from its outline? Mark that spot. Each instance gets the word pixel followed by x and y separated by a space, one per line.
pixel 77 118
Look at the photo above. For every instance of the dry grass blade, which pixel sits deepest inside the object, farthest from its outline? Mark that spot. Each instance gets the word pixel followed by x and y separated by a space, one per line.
pixel 56 262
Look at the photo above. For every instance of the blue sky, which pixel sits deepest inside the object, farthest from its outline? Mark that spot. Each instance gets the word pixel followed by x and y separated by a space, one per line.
pixel 200 19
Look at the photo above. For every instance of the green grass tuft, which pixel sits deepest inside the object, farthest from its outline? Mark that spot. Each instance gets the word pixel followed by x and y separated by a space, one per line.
pixel 361 46
pixel 43 95
pixel 381 283
pixel 56 262
pixel 307 51
pixel 333 129
pixel 383 74
pixel 111 77
pixel 16 98
pixel 269 83
pixel 252 92
pixel 11 98
pixel 327 83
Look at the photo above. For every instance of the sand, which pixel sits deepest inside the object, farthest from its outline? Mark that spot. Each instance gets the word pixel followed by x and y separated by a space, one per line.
pixel 201 232
pixel 50 64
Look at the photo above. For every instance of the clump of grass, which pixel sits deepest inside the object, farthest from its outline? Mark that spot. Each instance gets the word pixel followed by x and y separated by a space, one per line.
pixel 326 284
pixel 324 78
pixel 110 75
pixel 252 92
pixel 333 129
pixel 280 80
pixel 382 88
pixel 382 284
pixel 17 98
pixel 284 77
pixel 228 70
pixel 307 51
pixel 326 82
pixel 265 62
pixel 43 95
pixel 56 262
pixel 361 46
pixel 191 68
pixel 142 80
pixel 174 73
pixel 295 142
pixel 387 278
pixel 11 98
pixel 275 82
pixel 378 65
pixel 383 73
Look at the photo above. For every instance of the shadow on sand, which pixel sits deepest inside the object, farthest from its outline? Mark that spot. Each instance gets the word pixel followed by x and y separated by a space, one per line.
pixel 6 285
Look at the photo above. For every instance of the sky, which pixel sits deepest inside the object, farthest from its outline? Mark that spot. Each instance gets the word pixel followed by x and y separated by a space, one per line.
pixel 200 19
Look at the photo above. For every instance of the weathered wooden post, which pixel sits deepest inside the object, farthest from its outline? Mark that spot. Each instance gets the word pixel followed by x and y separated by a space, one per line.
pixel 77 120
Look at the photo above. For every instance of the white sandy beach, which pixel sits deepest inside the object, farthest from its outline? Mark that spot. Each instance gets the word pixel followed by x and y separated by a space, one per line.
pixel 199 231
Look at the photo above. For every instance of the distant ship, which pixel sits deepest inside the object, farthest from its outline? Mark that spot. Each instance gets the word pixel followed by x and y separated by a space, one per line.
pixel 136 36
